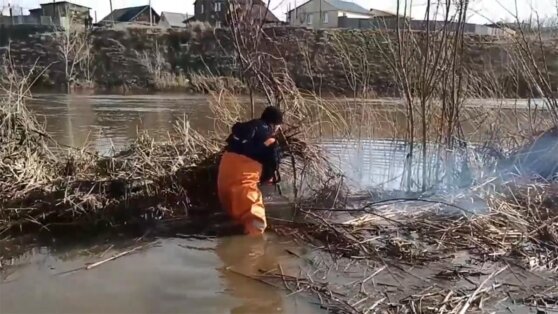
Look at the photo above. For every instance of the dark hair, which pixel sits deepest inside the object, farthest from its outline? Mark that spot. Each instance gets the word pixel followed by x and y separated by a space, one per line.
pixel 272 115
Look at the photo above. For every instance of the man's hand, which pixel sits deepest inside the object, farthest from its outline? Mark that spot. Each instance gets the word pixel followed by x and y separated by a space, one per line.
pixel 270 141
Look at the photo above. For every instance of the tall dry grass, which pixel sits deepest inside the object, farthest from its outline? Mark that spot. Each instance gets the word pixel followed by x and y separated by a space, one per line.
pixel 25 145
pixel 163 77
pixel 447 111
pixel 151 180
pixel 43 184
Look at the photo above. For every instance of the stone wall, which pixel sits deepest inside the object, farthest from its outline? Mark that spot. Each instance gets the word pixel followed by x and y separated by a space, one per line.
pixel 20 32
pixel 333 61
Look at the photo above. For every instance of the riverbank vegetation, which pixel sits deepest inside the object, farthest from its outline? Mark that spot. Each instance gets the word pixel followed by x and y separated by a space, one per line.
pixel 472 227
pixel 114 58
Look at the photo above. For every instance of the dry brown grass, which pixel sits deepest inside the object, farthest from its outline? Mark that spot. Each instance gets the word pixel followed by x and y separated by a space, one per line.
pixel 200 83
pixel 24 143
pixel 45 185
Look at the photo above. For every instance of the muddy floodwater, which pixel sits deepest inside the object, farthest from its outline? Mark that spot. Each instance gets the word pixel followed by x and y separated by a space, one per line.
pixel 110 122
pixel 169 275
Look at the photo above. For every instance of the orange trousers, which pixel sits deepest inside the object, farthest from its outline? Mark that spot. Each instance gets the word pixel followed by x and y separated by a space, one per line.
pixel 237 186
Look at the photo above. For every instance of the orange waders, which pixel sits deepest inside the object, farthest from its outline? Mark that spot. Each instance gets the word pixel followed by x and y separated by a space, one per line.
pixel 237 185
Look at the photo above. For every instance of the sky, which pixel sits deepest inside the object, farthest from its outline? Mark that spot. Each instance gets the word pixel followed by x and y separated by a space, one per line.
pixel 482 11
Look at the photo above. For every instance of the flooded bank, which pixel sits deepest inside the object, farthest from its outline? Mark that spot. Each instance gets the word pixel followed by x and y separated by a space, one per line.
pixel 108 123
pixel 169 276
pixel 104 121
pixel 165 276
pixel 377 163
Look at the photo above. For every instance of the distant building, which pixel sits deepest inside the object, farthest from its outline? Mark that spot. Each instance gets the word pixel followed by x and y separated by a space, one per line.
pixel 173 20
pixel 326 13
pixel 390 23
pixel 511 29
pixel 135 15
pixel 60 13
pixel 14 15
pixel 515 26
pixel 218 12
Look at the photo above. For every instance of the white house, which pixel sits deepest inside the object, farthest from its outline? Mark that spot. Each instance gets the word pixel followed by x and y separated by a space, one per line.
pixel 326 13
pixel 173 20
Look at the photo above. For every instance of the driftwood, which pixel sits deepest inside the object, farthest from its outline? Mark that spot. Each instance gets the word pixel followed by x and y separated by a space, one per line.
pixel 112 258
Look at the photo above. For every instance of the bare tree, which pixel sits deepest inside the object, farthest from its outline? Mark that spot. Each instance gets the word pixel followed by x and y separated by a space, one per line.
pixel 530 56
pixel 74 50
pixel 258 67
pixel 427 63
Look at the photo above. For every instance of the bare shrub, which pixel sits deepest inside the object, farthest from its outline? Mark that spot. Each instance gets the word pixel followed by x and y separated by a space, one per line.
pixel 207 83
pixel 162 76
pixel 200 29
pixel 74 50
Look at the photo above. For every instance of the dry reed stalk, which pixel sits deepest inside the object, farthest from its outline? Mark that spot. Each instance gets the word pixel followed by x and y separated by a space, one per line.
pixel 150 180
pixel 24 143
pixel 48 188
pixel 520 224
pixel 207 83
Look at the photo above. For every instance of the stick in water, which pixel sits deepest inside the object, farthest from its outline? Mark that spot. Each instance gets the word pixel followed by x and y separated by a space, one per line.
pixel 112 258
pixel 472 297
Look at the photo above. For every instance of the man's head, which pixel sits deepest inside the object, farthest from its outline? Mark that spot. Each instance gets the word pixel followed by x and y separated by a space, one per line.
pixel 273 116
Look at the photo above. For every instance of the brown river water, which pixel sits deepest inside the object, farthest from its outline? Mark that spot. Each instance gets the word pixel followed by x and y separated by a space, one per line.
pixel 110 122
pixel 172 275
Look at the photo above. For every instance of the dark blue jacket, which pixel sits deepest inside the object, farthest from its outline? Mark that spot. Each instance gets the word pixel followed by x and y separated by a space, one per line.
pixel 247 138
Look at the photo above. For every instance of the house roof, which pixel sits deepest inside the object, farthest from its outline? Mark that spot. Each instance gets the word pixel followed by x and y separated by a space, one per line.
pixel 342 6
pixel 258 9
pixel 174 19
pixel 190 19
pixel 126 14
pixel 376 11
pixel 347 6
pixel 62 2
pixel 261 11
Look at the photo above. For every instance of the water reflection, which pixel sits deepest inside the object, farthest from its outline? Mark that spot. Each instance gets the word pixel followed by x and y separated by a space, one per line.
pixel 248 255
pixel 108 120
pixel 174 276
pixel 369 163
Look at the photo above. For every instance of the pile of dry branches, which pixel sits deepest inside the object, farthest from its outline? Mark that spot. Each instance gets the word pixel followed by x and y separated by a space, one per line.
pixel 77 187
pixel 517 225
pixel 431 256
pixel 23 148
pixel 44 185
